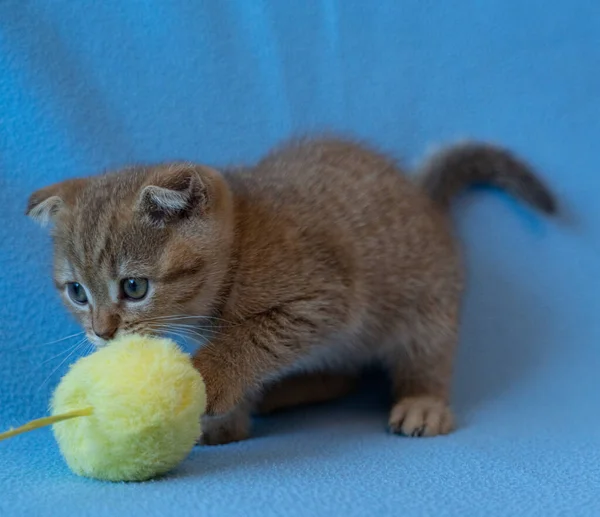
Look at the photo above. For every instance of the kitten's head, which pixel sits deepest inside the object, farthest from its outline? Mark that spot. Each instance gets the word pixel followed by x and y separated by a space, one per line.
pixel 135 248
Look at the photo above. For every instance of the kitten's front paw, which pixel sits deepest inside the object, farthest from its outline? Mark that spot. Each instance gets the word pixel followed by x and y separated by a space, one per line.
pixel 421 416
pixel 219 430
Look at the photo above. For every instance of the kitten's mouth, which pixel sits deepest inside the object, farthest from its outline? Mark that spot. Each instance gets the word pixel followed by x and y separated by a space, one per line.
pixel 98 342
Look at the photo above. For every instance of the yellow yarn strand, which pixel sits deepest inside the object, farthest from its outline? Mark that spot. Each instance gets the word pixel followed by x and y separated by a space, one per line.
pixel 46 421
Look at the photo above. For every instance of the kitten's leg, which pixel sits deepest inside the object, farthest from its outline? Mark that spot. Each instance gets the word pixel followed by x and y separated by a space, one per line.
pixel 237 363
pixel 291 391
pixel 231 427
pixel 422 370
pixel 304 389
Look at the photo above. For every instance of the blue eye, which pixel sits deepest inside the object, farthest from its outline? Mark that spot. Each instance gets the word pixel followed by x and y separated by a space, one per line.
pixel 134 288
pixel 77 293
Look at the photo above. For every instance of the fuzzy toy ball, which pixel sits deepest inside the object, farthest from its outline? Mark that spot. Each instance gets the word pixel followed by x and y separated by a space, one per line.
pixel 128 412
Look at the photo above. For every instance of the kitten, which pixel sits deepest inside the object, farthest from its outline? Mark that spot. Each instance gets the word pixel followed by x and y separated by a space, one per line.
pixel 314 262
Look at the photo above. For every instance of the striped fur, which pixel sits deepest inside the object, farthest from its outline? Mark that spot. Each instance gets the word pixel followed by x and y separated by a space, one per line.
pixel 312 263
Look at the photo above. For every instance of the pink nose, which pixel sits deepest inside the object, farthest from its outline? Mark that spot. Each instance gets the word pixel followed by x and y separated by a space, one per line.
pixel 105 325
pixel 106 334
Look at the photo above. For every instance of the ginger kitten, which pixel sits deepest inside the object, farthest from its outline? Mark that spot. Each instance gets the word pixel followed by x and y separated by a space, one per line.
pixel 316 261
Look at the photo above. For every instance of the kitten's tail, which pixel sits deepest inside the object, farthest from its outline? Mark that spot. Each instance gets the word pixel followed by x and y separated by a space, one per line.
pixel 451 170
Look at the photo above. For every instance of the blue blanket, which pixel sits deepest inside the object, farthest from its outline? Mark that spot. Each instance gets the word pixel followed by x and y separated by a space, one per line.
pixel 89 86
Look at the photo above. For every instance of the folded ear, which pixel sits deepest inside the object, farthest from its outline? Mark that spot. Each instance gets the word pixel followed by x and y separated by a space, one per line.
pixel 45 204
pixel 175 192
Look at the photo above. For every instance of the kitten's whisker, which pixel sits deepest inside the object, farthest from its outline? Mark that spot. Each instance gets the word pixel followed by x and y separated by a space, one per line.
pixel 181 316
pixel 189 328
pixel 184 325
pixel 188 332
pixel 189 316
pixel 181 336
pixel 52 342
pixel 196 337
pixel 193 335
pixel 75 349
pixel 199 335
pixel 174 321
pixel 61 353
pixel 203 316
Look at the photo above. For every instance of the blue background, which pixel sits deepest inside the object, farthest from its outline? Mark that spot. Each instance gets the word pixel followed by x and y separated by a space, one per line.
pixel 86 86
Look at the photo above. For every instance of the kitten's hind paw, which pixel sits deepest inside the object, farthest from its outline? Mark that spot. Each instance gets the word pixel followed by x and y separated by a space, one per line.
pixel 421 416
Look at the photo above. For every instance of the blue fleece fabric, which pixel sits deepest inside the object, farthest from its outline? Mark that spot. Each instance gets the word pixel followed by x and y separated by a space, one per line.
pixel 86 86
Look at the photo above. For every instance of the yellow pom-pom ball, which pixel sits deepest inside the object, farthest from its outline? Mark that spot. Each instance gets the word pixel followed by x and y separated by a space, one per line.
pixel 145 400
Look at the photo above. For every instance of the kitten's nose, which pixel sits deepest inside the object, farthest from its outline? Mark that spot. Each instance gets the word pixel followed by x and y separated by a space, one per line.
pixel 105 324
pixel 106 334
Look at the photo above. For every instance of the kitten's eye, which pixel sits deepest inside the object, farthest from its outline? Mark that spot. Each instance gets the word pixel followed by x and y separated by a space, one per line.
pixel 135 288
pixel 77 293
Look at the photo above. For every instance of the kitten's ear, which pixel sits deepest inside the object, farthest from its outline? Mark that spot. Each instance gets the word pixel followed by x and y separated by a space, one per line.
pixel 45 204
pixel 175 192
